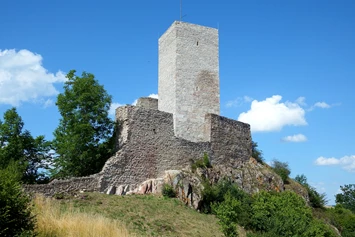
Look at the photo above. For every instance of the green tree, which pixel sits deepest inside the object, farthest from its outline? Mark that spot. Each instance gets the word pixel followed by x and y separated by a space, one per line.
pixel 347 197
pixel 82 139
pixel 15 206
pixel 18 145
pixel 343 219
pixel 285 214
pixel 282 169
pixel 301 179
pixel 316 199
pixel 227 213
pixel 256 152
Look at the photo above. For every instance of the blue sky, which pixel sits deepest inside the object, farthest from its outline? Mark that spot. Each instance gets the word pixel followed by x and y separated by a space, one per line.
pixel 286 67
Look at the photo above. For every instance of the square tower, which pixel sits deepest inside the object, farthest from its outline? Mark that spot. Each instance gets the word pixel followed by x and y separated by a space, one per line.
pixel 189 77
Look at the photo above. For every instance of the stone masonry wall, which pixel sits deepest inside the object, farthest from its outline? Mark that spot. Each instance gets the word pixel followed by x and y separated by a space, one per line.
pixel 189 77
pixel 89 184
pixel 148 147
pixel 230 140
pixel 147 102
pixel 167 71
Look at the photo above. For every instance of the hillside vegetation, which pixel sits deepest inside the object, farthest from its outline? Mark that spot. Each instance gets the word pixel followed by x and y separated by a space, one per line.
pixel 95 214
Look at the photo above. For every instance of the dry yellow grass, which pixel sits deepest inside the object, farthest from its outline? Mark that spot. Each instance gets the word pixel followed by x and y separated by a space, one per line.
pixel 54 222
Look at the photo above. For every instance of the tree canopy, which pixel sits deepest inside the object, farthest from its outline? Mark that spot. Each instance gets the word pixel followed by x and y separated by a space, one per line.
pixel 347 197
pixel 18 146
pixel 82 139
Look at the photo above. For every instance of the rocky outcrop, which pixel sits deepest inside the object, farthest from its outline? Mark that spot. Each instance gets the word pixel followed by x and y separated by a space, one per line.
pixel 188 187
pixel 252 177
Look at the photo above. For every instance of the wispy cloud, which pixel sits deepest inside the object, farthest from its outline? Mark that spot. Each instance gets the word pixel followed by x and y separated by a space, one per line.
pixel 113 108
pixel 48 103
pixel 346 162
pixel 239 101
pixel 323 105
pixel 24 79
pixel 272 115
pixel 295 138
pixel 301 101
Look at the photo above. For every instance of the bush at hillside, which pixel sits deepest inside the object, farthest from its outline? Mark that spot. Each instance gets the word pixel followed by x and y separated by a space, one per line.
pixel 15 209
pixel 282 169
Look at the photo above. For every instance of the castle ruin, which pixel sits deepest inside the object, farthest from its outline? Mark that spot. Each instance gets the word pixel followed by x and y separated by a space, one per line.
pixel 175 130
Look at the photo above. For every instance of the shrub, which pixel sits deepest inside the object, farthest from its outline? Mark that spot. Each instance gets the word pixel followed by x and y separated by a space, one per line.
pixel 282 169
pixel 15 208
pixel 256 153
pixel 216 194
pixel 168 191
pixel 343 219
pixel 317 200
pixel 285 214
pixel 227 213
pixel 347 197
pixel 203 162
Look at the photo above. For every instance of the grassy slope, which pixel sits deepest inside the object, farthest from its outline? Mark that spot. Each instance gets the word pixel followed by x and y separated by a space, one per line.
pixel 145 215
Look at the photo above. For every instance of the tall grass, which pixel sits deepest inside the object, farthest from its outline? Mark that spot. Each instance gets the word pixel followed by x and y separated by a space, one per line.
pixel 52 221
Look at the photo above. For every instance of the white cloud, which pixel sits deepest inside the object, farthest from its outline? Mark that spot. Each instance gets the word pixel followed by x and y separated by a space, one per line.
pixel 113 108
pixel 24 79
pixel 322 105
pixel 295 138
pixel 346 162
pixel 48 103
pixel 239 101
pixel 155 96
pixel 319 186
pixel 271 115
pixel 301 101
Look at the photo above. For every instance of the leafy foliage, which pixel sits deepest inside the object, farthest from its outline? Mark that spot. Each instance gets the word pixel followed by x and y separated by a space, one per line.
pixel 227 213
pixel 15 208
pixel 215 194
pixel 257 153
pixel 20 147
pixel 343 219
pixel 285 214
pixel 317 200
pixel 168 191
pixel 282 169
pixel 82 139
pixel 203 162
pixel 347 197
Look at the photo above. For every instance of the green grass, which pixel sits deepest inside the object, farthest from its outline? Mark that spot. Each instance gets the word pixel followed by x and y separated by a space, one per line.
pixel 146 215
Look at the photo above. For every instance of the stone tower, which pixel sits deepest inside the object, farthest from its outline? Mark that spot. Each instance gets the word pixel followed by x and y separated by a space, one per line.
pixel 189 77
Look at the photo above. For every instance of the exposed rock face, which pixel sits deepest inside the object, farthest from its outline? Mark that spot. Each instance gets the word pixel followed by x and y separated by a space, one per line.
pixel 251 177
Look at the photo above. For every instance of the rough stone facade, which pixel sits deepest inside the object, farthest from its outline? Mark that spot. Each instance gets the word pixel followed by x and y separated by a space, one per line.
pixel 173 132
pixel 189 77
pixel 147 102
pixel 148 146
pixel 87 184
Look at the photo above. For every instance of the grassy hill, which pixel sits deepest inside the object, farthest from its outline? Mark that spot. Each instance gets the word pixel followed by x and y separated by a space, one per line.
pixel 95 214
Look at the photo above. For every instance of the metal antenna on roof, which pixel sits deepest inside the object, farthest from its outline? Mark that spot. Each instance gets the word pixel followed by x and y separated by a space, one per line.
pixel 181 16
pixel 180 10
